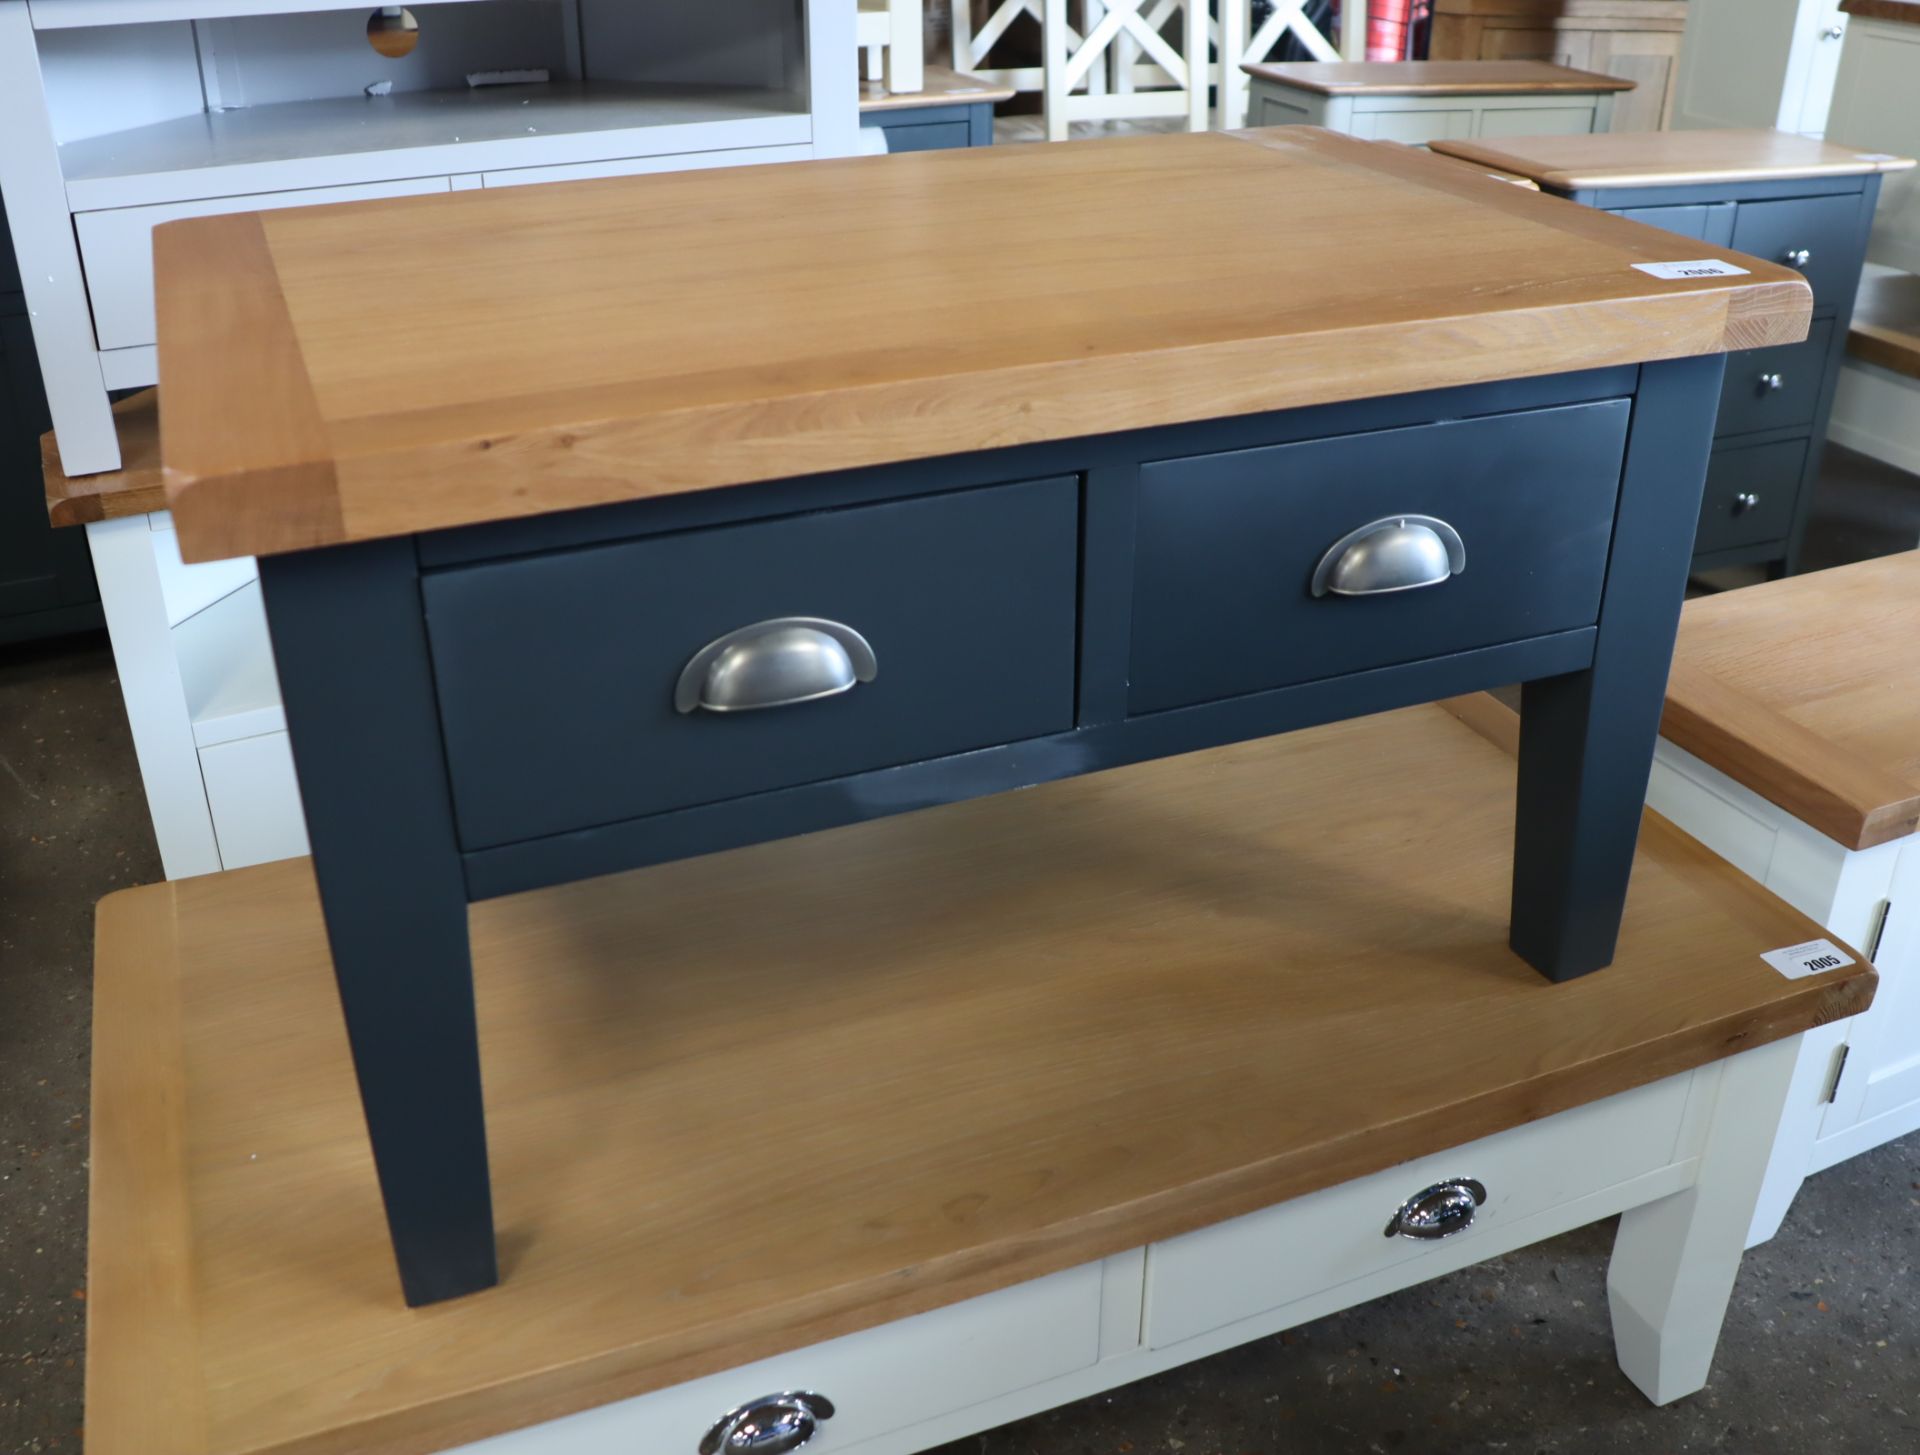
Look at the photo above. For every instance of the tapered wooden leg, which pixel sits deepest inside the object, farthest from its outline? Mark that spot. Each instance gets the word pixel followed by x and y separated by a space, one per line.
pixel 350 643
pixel 1675 1260
pixel 1587 738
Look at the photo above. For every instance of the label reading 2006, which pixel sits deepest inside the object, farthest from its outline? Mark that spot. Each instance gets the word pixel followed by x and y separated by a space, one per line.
pixel 1798 961
pixel 1698 268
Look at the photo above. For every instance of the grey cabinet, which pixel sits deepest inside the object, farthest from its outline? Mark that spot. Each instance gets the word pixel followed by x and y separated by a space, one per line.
pixel 1775 401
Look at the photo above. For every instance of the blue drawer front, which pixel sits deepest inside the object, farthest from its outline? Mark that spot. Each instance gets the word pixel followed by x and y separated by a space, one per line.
pixel 1228 544
pixel 556 673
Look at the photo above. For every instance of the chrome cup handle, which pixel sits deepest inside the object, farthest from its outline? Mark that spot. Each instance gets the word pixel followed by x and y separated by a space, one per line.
pixel 770 1425
pixel 1394 553
pixel 774 663
pixel 1439 1211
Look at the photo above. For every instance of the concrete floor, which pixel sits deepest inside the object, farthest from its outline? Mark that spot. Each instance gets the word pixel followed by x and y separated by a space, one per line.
pixel 1821 1348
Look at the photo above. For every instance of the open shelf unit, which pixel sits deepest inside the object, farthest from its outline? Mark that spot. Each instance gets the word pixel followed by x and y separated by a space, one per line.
pixel 341 141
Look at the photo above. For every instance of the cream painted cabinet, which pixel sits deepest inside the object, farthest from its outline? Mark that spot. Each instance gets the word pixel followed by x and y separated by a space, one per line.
pixel 1759 63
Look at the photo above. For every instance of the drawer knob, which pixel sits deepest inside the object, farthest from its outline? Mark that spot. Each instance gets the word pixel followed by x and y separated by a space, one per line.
pixel 1798 257
pixel 1440 1211
pixel 1833 32
pixel 1771 382
pixel 1745 500
pixel 774 664
pixel 769 1425
pixel 1396 553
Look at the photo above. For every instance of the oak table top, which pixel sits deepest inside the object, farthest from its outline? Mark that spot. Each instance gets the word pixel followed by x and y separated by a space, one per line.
pixel 1902 12
pixel 1886 322
pixel 1063 1023
pixel 1668 158
pixel 939 87
pixel 1807 691
pixel 1432 78
pixel 370 369
pixel 133 489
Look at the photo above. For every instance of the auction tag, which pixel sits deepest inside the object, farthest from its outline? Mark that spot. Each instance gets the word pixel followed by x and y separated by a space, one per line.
pixel 1699 268
pixel 1796 962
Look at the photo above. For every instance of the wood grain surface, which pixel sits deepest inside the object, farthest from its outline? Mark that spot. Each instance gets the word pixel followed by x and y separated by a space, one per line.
pixel 1903 12
pixel 940 87
pixel 1886 322
pixel 1432 78
pixel 134 489
pixel 741 1103
pixel 379 368
pixel 1807 690
pixel 1667 158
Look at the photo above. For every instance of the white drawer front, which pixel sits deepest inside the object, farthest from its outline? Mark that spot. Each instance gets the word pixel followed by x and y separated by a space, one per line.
pixel 642 166
pixel 880 1380
pixel 116 247
pixel 1235 1270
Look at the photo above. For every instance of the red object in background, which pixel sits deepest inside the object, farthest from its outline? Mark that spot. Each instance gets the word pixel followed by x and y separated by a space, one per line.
pixel 1388 25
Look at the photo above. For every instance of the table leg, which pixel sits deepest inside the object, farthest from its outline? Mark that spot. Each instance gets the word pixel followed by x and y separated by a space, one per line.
pixel 351 645
pixel 1675 1260
pixel 1587 738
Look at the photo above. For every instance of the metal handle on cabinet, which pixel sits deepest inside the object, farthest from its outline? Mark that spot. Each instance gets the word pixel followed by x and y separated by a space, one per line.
pixel 774 664
pixel 1439 1211
pixel 1394 553
pixel 769 1425
pixel 1745 500
pixel 1771 382
pixel 1797 257
pixel 1833 32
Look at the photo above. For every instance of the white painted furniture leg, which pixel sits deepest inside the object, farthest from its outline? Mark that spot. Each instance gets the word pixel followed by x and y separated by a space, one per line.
pixel 906 47
pixel 156 700
pixel 1054 85
pixel 1799 1127
pixel 43 241
pixel 1675 1260
pixel 1353 29
pixel 1236 18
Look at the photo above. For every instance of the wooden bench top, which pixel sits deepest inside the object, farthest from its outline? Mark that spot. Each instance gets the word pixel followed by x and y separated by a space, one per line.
pixel 1886 322
pixel 1432 78
pixel 370 369
pixel 742 1103
pixel 133 489
pixel 1903 12
pixel 1668 158
pixel 939 87
pixel 1807 690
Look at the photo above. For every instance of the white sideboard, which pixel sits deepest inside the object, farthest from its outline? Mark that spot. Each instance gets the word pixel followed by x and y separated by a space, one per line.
pixel 123 114
pixel 1759 63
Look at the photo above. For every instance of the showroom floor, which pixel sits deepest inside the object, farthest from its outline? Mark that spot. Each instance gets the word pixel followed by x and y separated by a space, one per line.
pixel 1821 1348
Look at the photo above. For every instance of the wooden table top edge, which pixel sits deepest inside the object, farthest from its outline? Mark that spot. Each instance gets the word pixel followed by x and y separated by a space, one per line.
pixel 143 1387
pixel 146 1366
pixel 1307 76
pixel 1852 802
pixel 134 489
pixel 1506 156
pixel 943 87
pixel 305 483
pixel 1900 12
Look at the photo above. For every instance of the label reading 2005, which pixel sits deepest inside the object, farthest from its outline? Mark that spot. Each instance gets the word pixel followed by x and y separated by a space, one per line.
pixel 1698 268
pixel 1798 961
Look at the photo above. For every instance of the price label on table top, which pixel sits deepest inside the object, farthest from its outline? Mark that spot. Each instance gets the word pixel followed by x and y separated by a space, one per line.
pixel 1698 268
pixel 1875 157
pixel 1796 962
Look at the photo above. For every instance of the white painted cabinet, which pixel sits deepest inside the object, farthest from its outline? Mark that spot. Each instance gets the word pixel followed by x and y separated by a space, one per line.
pixel 1858 1083
pixel 1759 63
pixel 1681 1159
pixel 118 115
